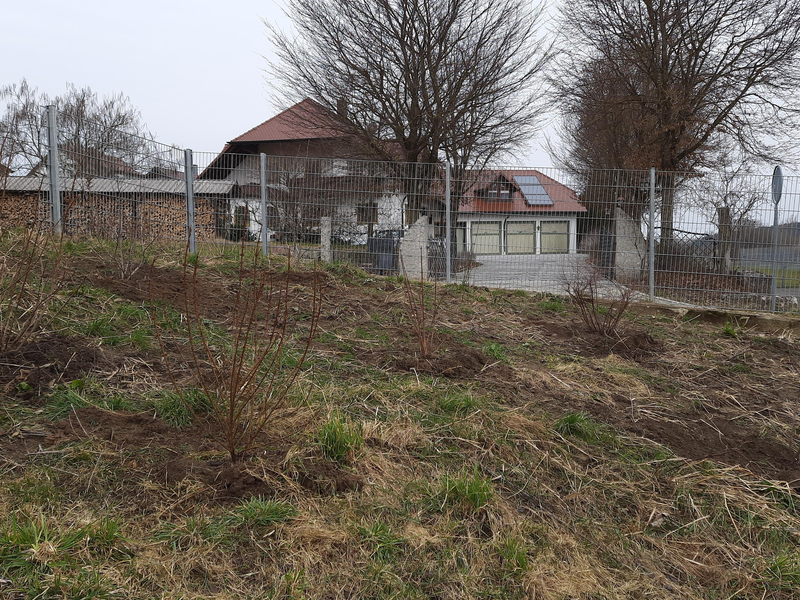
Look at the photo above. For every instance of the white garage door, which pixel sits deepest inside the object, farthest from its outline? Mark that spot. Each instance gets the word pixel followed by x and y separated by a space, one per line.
pixel 521 237
pixel 486 237
pixel 555 237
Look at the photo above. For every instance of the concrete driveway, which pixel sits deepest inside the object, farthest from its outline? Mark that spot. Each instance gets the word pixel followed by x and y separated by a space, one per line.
pixel 529 272
pixel 545 273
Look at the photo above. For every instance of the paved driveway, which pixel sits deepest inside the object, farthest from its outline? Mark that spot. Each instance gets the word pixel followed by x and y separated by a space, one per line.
pixel 548 273
pixel 530 272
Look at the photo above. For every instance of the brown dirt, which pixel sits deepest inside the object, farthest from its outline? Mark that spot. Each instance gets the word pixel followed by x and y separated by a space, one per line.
pixel 127 430
pixel 167 285
pixel 734 422
pixel 719 430
pixel 213 294
pixel 630 342
pixel 326 477
pixel 136 431
pixel 724 440
pixel 44 362
pixel 456 361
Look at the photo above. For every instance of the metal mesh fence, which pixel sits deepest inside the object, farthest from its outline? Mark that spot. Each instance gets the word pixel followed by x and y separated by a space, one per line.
pixel 333 209
pixel 715 239
pixel 116 184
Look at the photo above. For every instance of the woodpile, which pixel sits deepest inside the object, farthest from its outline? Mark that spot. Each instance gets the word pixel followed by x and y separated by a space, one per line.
pixel 112 216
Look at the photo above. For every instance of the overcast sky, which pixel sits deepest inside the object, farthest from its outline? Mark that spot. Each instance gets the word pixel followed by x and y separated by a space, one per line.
pixel 195 70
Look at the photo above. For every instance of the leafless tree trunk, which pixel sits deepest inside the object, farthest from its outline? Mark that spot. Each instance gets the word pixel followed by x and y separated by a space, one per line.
pixel 418 81
pixel 664 82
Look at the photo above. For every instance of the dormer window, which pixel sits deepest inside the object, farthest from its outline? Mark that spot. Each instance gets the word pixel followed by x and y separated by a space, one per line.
pixel 499 190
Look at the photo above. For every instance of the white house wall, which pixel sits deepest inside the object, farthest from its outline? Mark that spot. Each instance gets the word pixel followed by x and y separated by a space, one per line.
pixel 247 171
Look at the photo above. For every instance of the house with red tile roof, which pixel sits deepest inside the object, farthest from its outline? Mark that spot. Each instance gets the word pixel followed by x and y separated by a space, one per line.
pixel 306 130
pixel 315 170
pixel 518 212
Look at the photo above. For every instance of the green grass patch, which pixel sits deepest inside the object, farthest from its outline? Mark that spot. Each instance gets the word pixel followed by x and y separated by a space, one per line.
pixel 554 304
pixel 468 492
pixel 383 543
pixel 177 411
pixel 339 439
pixel 44 561
pixel 580 425
pixel 259 512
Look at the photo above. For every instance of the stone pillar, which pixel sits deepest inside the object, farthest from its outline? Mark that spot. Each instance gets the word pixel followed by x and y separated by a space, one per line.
pixel 414 249
pixel 325 254
pixel 631 249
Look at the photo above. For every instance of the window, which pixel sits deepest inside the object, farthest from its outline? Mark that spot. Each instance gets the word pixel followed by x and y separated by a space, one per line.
pixel 498 191
pixel 367 213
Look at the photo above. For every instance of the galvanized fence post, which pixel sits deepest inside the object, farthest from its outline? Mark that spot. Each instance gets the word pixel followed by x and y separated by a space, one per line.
pixel 188 167
pixel 651 258
pixel 264 202
pixel 447 227
pixel 777 191
pixel 53 169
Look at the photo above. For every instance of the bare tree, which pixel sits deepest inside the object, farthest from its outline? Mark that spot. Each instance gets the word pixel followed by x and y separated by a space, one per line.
pixel 418 81
pixel 99 137
pixel 666 81
pixel 730 199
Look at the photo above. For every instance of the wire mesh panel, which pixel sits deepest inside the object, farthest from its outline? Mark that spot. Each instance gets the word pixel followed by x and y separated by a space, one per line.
pixel 711 239
pixel 117 184
pixel 333 209
pixel 722 241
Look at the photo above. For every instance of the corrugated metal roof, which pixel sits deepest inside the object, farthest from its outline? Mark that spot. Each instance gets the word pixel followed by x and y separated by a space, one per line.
pixel 175 187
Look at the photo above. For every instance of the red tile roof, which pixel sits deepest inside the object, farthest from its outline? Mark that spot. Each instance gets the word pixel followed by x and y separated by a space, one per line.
pixel 564 199
pixel 306 120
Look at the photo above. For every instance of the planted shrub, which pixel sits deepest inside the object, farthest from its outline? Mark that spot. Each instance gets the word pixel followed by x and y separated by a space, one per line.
pixel 587 289
pixel 423 319
pixel 242 369
pixel 32 277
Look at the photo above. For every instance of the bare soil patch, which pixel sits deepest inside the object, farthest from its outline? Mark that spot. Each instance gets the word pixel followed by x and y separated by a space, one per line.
pixel 137 431
pixel 43 362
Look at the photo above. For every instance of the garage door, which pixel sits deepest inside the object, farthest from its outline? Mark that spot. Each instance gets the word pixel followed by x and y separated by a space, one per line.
pixel 555 237
pixel 521 237
pixel 486 237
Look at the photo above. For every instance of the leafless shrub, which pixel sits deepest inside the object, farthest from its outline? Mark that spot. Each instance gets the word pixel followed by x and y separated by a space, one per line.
pixel 601 303
pixel 32 277
pixel 464 263
pixel 422 319
pixel 245 378
pixel 130 252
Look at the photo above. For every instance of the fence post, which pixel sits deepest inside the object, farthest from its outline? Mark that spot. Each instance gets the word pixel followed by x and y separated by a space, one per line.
pixel 53 169
pixel 264 202
pixel 447 225
pixel 651 260
pixel 188 167
pixel 774 290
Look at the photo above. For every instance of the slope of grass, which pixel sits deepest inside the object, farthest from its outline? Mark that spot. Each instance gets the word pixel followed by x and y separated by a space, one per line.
pixel 539 473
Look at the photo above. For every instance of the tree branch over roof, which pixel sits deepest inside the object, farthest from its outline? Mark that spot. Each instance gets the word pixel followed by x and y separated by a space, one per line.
pixel 455 79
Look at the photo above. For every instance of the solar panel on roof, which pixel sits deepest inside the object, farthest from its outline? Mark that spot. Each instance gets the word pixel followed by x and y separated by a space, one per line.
pixel 533 190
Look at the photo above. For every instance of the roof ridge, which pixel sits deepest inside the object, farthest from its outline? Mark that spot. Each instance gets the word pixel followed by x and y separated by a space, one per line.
pixel 310 102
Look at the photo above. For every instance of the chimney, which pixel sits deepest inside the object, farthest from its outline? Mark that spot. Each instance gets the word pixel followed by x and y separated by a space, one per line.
pixel 341 107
